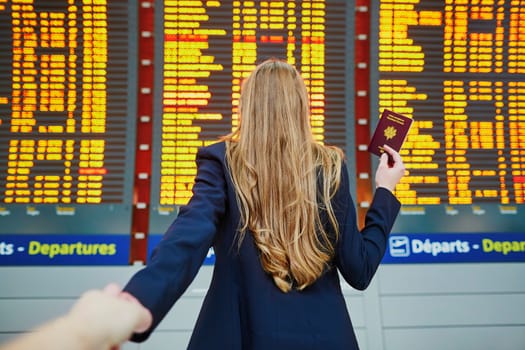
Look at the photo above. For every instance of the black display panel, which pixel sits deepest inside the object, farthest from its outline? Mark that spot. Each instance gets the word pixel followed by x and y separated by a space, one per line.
pixel 458 68
pixel 67 116
pixel 205 49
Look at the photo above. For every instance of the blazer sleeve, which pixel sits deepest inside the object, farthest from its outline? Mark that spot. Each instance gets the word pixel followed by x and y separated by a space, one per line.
pixel 178 257
pixel 358 253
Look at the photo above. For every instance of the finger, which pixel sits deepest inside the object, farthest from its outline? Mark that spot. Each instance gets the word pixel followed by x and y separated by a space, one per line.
pixel 145 322
pixel 383 161
pixel 128 297
pixel 112 289
pixel 396 157
pixel 388 148
pixel 145 315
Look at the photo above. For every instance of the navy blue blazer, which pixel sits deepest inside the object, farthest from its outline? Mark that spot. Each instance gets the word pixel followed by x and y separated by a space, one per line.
pixel 243 308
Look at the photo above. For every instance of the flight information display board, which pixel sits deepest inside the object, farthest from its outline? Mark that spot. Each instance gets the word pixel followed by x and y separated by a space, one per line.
pixel 67 116
pixel 205 48
pixel 458 68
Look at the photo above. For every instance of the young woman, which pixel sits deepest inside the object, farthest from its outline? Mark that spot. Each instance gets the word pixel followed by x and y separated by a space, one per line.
pixel 276 207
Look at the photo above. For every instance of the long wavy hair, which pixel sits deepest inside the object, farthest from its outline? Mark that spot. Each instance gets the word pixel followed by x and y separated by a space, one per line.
pixel 275 165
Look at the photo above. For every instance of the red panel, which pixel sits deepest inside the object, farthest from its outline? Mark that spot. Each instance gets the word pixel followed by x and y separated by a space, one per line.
pixel 362 106
pixel 141 190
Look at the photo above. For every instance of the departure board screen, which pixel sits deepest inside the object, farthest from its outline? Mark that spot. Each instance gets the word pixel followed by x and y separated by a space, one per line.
pixel 457 67
pixel 66 121
pixel 68 112
pixel 205 49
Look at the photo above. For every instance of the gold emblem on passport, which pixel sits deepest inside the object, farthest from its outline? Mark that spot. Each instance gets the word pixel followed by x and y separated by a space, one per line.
pixel 390 132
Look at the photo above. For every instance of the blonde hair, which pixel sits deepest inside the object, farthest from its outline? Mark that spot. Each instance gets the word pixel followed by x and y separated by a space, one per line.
pixel 275 164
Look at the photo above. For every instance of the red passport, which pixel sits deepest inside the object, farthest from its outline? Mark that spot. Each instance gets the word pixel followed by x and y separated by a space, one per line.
pixel 391 130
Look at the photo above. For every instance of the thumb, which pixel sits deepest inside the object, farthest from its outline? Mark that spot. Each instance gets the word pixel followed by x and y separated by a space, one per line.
pixel 383 161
